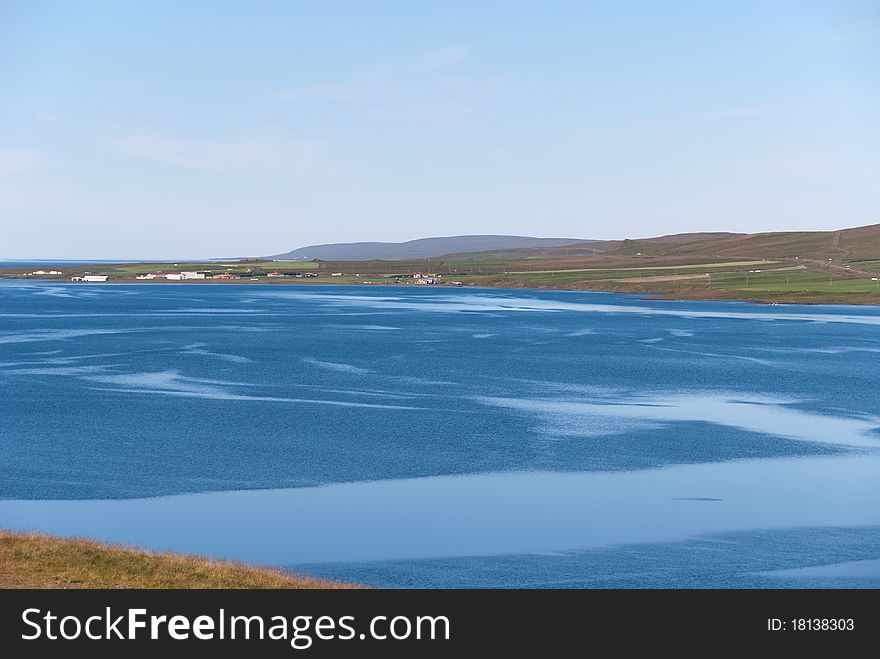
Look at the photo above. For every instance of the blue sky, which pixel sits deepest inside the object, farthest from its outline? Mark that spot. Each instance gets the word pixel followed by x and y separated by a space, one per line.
pixel 197 129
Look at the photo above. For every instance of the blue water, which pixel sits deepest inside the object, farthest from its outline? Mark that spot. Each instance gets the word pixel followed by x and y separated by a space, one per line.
pixel 447 437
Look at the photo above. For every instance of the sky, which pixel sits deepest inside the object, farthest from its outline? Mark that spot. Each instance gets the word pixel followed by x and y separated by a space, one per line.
pixel 167 129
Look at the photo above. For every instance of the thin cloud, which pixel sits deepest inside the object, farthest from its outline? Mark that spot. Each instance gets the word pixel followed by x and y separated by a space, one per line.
pixel 321 92
pixel 214 154
pixel 427 112
pixel 737 113
pixel 445 57
pixel 846 35
pixel 376 78
pixel 19 161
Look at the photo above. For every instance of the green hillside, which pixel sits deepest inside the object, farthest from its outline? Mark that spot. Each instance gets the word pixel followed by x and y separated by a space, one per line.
pixel 846 244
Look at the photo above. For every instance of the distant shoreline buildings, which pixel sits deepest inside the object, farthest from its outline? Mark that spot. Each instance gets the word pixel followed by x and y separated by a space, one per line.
pixel 420 278
pixel 92 278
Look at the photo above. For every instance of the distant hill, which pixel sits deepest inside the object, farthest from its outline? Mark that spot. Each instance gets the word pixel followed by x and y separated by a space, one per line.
pixel 662 244
pixel 587 247
pixel 419 249
pixel 857 243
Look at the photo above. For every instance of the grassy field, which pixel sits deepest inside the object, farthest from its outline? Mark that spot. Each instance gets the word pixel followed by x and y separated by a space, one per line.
pixel 39 561
pixel 865 264
pixel 759 280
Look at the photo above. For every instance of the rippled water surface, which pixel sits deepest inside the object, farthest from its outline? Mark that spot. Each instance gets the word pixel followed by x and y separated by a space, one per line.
pixel 448 437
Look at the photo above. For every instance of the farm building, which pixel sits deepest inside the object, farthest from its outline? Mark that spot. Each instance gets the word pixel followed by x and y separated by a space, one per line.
pixel 177 276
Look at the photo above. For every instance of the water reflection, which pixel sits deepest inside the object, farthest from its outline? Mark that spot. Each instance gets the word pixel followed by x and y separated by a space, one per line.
pixel 476 515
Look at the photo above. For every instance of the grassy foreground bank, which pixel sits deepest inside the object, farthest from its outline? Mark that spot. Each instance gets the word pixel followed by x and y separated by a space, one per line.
pixel 29 560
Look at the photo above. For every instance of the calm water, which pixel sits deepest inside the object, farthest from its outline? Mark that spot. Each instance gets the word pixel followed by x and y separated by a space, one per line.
pixel 438 437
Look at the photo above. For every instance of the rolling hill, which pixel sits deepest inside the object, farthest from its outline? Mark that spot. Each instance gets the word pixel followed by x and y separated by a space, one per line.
pixel 845 244
pixel 418 249
pixel 856 243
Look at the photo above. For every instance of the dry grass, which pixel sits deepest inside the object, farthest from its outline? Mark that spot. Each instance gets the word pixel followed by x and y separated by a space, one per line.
pixel 30 560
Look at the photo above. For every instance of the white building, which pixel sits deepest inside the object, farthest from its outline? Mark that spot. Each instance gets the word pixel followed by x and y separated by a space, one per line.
pixel 94 278
pixel 177 276
pixel 426 278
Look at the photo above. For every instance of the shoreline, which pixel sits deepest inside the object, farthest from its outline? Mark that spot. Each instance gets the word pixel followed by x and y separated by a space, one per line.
pixel 657 294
